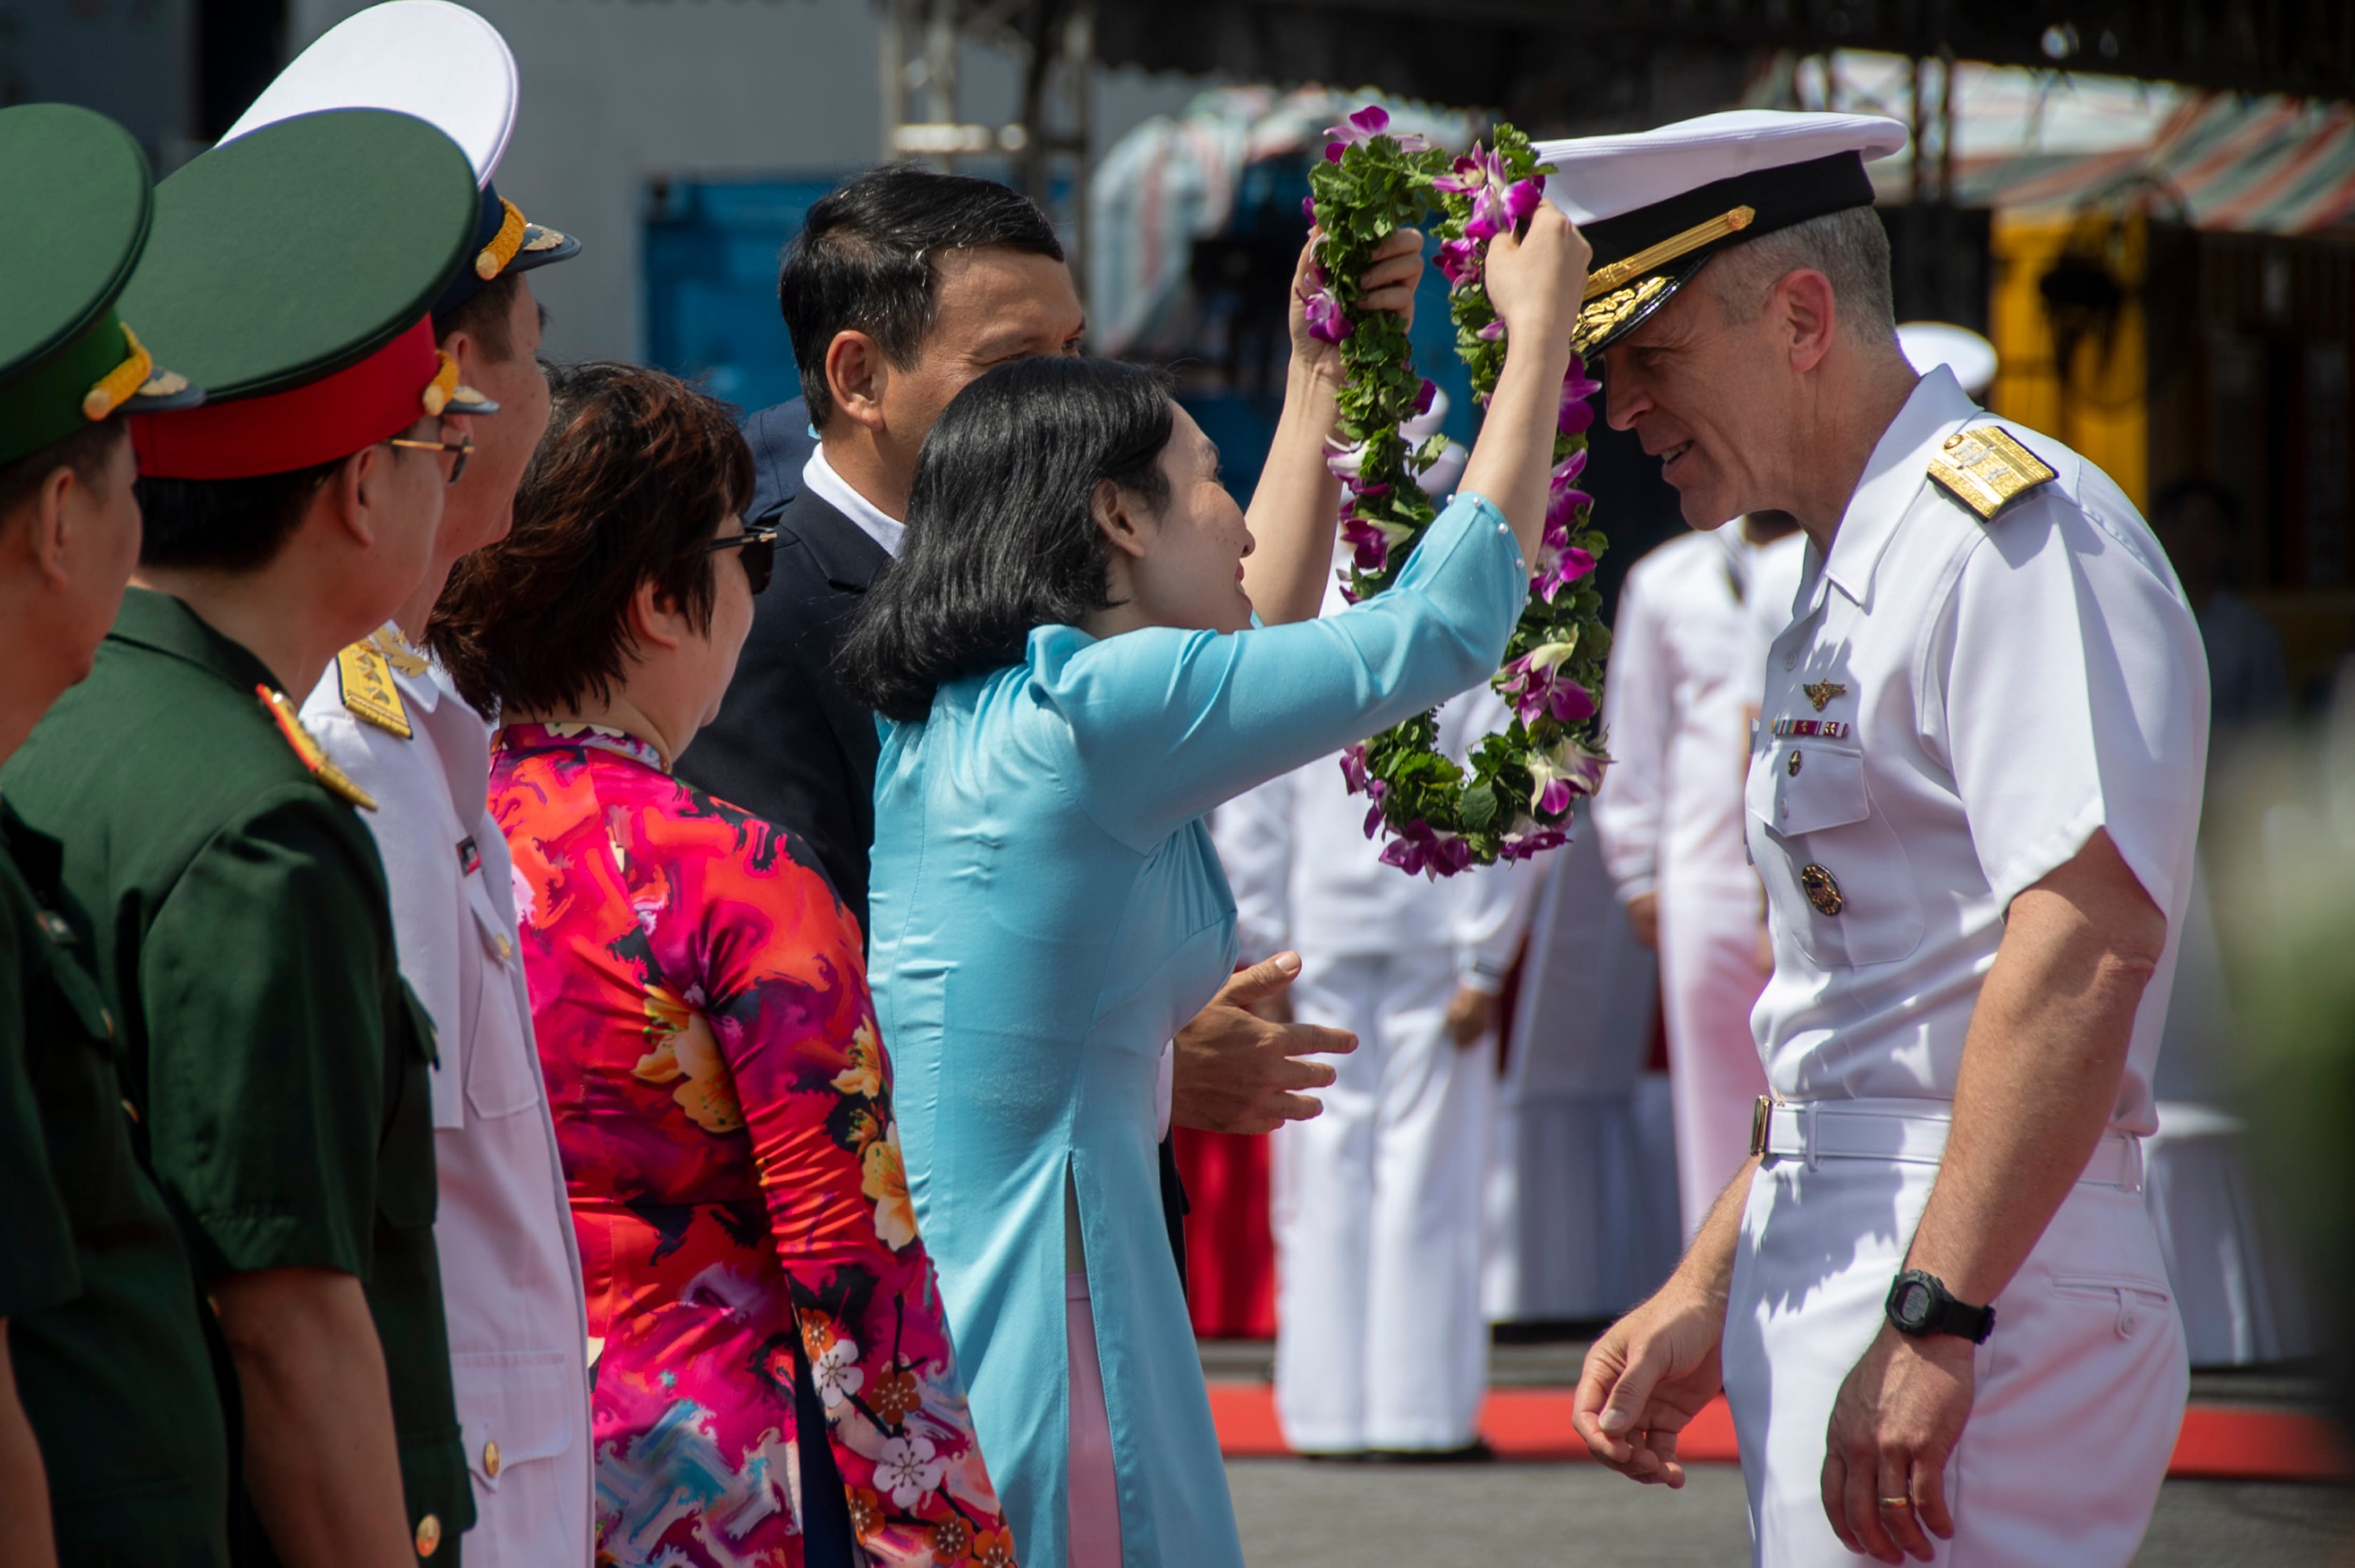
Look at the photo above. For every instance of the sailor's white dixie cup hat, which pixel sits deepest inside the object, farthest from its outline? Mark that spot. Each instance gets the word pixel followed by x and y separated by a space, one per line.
pixel 444 65
pixel 1657 205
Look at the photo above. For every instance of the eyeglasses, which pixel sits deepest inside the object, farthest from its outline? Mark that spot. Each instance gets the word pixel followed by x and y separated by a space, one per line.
pixel 759 548
pixel 464 448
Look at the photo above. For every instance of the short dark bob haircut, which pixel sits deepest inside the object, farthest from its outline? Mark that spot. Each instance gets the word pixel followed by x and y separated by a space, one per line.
pixel 1000 535
pixel 867 259
pixel 637 468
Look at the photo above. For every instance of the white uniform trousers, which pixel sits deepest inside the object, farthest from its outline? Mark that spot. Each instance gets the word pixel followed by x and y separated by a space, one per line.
pixel 1708 982
pixel 2080 1389
pixel 1376 1207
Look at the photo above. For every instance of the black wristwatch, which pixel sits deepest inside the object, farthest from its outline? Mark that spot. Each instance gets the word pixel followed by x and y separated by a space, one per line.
pixel 1919 1304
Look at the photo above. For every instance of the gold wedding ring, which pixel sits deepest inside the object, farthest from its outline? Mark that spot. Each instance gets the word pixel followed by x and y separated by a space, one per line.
pixel 1894 1504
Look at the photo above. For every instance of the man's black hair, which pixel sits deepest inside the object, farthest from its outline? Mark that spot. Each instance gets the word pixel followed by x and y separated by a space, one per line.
pixel 225 525
pixel 864 261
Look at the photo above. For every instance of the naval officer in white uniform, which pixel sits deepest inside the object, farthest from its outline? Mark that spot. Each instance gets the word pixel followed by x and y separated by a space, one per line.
pixel 1688 667
pixel 1934 1298
pixel 390 720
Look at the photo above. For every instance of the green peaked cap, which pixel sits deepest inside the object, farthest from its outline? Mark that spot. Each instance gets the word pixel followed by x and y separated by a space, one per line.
pixel 76 206
pixel 287 255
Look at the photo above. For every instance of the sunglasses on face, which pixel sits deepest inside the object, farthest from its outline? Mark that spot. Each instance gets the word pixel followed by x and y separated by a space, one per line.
pixel 760 557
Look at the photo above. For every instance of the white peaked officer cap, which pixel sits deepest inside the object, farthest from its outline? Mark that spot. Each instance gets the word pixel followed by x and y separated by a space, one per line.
pixel 1930 344
pixel 443 64
pixel 1657 205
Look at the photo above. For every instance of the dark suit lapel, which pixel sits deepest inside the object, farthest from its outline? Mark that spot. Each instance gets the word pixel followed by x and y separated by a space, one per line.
pixel 850 559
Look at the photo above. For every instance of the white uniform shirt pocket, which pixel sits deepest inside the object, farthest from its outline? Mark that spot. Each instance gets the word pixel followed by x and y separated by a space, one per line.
pixel 501 1069
pixel 1837 877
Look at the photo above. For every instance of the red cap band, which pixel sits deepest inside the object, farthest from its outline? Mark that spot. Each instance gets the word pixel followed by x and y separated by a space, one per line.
pixel 318 422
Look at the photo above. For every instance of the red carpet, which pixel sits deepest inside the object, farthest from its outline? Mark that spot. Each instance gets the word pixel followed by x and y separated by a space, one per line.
pixel 2223 1442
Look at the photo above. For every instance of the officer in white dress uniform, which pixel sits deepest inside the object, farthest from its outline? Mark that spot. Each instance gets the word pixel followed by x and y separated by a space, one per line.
pixel 1381 1343
pixel 1933 1297
pixel 510 1269
pixel 1687 665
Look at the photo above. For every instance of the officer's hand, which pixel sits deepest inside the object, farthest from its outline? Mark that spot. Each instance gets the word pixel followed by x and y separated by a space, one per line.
pixel 1237 1072
pixel 1647 1379
pixel 1896 1422
pixel 1472 1016
pixel 1644 919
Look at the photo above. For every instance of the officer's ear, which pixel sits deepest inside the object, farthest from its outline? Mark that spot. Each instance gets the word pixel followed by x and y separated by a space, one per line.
pixel 1806 315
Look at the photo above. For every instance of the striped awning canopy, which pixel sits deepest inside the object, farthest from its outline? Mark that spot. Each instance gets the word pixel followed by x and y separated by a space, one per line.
pixel 2222 161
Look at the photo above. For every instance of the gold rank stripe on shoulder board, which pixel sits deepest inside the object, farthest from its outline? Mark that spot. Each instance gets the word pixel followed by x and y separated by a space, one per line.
pixel 1987 470
pixel 366 677
pixel 306 746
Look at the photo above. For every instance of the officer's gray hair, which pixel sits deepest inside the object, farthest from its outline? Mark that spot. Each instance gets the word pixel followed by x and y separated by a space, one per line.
pixel 1850 247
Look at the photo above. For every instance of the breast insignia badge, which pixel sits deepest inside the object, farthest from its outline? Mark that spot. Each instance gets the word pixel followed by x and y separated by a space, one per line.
pixel 365 676
pixel 315 757
pixel 1821 693
pixel 1822 889
pixel 1987 470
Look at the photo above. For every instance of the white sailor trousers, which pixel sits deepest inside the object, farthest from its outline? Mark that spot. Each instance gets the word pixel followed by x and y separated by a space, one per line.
pixel 1376 1210
pixel 2080 1389
pixel 1709 928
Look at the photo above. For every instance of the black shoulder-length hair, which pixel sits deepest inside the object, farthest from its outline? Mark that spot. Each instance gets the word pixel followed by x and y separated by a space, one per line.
pixel 1000 535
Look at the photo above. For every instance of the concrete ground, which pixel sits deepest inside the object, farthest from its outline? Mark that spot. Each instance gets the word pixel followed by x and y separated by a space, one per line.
pixel 1299 1514
pixel 1296 1514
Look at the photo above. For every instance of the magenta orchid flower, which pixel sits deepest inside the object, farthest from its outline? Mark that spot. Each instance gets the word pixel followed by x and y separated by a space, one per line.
pixel 1367 123
pixel 1358 778
pixel 1323 317
pixel 1538 689
pixel 1419 848
pixel 1373 541
pixel 1564 772
pixel 1518 846
pixel 1459 262
pixel 1577 413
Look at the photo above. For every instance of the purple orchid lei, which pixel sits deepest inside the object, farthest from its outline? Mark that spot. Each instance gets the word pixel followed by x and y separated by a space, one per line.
pixel 1513 796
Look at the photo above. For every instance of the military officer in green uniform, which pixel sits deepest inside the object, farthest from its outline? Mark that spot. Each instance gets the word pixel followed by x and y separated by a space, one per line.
pixel 275 1059
pixel 105 1333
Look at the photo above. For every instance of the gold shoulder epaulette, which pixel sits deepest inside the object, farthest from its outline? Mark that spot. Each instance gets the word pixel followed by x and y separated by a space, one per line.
pixel 369 692
pixel 1987 471
pixel 315 757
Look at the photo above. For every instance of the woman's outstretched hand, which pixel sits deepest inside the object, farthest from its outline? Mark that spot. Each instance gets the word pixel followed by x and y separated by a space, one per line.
pixel 1389 285
pixel 1537 282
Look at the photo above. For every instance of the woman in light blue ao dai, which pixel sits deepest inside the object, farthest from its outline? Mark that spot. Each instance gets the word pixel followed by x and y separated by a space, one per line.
pixel 1072 678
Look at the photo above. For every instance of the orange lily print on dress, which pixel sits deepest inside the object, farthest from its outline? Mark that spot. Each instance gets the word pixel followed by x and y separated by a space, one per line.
pixel 723 1108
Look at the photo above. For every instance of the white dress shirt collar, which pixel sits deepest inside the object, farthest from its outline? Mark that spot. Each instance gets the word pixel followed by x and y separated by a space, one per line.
pixel 835 491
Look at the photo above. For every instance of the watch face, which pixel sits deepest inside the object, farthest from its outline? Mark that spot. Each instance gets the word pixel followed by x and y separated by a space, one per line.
pixel 1912 1304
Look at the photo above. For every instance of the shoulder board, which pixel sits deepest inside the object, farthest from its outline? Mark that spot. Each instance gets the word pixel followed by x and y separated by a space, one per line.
pixel 315 757
pixel 369 692
pixel 1987 470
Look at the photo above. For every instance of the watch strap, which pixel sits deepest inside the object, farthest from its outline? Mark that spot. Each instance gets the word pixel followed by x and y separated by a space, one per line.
pixel 1945 1314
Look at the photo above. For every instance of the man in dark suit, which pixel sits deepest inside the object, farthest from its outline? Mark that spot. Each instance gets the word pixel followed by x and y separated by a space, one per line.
pixel 903 286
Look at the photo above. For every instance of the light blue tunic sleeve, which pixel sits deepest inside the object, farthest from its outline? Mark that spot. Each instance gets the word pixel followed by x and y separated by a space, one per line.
pixel 1167 723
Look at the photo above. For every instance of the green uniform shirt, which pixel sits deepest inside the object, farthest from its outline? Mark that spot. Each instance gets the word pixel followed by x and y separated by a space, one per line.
pixel 277 1060
pixel 37 1252
pixel 118 1380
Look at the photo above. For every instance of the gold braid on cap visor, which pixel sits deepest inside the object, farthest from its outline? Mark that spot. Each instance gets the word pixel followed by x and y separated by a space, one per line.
pixel 492 260
pixel 119 385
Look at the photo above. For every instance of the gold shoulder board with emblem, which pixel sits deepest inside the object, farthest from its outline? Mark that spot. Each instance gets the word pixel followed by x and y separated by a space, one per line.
pixel 315 756
pixel 1987 470
pixel 369 692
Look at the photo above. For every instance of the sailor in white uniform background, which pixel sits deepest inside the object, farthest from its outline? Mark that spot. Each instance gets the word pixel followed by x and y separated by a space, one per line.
pixel 1376 1203
pixel 510 1268
pixel 1687 665
pixel 1934 1298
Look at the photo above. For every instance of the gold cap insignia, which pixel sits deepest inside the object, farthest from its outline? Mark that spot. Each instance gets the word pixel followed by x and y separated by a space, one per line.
pixel 1821 693
pixel 315 757
pixel 1606 316
pixel 1987 470
pixel 369 692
